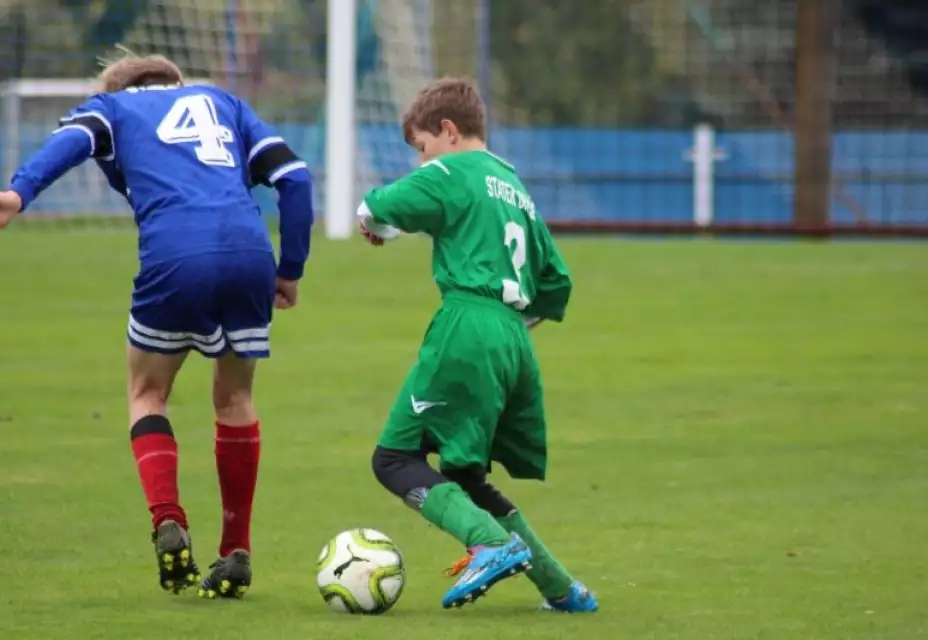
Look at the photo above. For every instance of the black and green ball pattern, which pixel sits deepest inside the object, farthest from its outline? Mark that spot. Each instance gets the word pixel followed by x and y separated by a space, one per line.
pixel 353 545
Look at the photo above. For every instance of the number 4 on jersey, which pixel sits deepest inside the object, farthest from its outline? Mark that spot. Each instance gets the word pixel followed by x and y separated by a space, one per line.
pixel 194 119
pixel 512 289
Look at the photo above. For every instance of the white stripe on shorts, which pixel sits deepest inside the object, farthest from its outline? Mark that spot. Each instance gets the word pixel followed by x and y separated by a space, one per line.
pixel 176 345
pixel 175 335
pixel 249 347
pixel 250 340
pixel 249 334
pixel 176 340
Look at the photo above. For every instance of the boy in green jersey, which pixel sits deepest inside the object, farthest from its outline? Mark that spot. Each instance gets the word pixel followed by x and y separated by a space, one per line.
pixel 475 393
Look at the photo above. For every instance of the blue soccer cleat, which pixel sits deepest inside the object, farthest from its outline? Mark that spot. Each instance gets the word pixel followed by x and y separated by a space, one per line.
pixel 578 600
pixel 487 567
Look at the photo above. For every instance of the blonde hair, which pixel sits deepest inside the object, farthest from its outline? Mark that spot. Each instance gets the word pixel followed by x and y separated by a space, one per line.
pixel 127 70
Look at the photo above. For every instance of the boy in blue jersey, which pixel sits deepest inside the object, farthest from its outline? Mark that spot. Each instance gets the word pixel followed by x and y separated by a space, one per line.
pixel 186 158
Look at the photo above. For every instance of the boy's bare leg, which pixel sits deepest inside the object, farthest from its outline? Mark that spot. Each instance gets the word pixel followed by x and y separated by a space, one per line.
pixel 151 377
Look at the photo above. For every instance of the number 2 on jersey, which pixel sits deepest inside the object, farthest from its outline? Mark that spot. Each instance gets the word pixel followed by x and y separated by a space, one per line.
pixel 512 289
pixel 194 119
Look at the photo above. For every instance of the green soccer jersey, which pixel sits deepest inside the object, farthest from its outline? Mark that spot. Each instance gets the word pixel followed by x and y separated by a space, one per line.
pixel 487 237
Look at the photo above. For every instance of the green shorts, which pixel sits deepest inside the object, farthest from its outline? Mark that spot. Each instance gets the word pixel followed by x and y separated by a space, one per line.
pixel 474 395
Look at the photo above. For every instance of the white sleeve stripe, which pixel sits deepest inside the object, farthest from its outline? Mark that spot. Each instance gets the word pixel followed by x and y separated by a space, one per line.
pixel 80 127
pixel 364 212
pixel 174 336
pixel 438 163
pixel 263 144
pixel 284 170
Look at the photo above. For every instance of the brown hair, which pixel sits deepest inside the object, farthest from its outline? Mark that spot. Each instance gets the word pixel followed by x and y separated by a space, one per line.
pixel 129 70
pixel 454 99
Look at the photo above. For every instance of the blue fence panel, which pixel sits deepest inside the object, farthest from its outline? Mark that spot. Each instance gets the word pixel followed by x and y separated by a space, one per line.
pixel 635 176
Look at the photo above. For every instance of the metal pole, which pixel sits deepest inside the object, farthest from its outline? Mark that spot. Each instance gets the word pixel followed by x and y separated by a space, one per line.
pixel 814 64
pixel 484 58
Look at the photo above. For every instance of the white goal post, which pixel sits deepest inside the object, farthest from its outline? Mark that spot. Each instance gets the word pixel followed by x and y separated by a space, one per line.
pixel 339 206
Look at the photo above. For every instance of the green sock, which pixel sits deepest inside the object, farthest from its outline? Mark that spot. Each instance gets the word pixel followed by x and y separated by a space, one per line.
pixel 547 574
pixel 450 509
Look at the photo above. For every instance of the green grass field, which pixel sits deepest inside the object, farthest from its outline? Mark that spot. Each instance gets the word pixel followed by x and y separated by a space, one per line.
pixel 739 435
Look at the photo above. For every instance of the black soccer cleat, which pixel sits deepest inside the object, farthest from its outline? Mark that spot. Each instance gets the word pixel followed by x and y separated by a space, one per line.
pixel 175 557
pixel 230 577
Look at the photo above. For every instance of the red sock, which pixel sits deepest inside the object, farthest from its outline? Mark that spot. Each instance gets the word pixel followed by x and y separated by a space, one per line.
pixel 155 452
pixel 237 452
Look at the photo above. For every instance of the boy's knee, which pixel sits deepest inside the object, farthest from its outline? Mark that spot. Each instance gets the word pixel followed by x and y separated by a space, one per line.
pixel 405 474
pixel 233 379
pixel 149 386
pixel 389 467
pixel 146 398
pixel 233 406
pixel 380 465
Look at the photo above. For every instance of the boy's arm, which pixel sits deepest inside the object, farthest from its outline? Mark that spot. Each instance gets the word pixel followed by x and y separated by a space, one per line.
pixel 414 203
pixel 272 163
pixel 85 133
pixel 552 292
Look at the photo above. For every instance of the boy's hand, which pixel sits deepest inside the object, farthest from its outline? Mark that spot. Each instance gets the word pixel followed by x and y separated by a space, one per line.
pixel 377 241
pixel 10 205
pixel 287 292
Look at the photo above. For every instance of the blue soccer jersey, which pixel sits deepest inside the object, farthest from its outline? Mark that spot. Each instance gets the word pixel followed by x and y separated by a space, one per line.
pixel 186 159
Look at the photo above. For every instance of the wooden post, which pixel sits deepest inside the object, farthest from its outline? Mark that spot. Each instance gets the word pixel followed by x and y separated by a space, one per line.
pixel 814 72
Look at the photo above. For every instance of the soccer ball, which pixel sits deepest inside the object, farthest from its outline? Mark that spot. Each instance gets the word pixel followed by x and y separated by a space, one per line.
pixel 361 571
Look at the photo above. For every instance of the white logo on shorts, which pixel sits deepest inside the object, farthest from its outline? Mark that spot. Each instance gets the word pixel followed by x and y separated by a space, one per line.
pixel 418 406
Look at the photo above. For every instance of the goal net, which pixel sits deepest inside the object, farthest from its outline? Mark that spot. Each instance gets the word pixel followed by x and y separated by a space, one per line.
pixel 270 52
pixel 599 108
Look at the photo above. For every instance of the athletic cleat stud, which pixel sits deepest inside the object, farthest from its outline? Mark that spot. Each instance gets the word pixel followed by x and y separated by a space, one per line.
pixel 174 555
pixel 229 577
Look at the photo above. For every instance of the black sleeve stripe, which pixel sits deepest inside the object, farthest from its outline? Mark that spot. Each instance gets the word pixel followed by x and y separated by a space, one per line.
pixel 80 127
pixel 268 160
pixel 99 128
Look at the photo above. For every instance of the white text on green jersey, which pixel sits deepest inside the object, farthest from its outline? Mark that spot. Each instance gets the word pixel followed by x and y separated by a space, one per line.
pixel 502 190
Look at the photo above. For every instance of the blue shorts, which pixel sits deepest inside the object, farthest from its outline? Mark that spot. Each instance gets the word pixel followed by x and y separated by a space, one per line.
pixel 211 303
